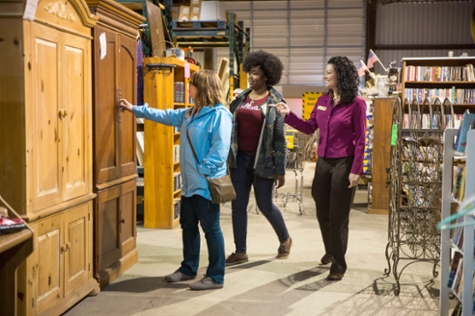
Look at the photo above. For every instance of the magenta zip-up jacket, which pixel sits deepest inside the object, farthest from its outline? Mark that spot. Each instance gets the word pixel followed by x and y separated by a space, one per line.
pixel 342 129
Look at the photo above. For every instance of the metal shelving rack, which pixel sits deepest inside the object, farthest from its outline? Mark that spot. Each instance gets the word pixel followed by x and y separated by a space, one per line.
pixel 200 34
pixel 415 187
pixel 230 34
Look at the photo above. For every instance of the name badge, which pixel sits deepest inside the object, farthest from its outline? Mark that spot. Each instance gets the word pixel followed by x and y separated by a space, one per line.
pixel 321 108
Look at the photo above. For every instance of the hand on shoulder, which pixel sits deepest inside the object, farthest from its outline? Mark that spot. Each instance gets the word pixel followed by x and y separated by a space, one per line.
pixel 282 107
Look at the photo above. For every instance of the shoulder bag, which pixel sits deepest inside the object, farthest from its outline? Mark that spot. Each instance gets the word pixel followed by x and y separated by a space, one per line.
pixel 222 189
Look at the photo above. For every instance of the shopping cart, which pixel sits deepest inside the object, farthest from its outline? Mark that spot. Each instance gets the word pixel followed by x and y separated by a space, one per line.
pixel 296 142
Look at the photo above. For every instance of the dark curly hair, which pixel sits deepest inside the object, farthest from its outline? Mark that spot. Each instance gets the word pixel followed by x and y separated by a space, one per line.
pixel 347 78
pixel 269 63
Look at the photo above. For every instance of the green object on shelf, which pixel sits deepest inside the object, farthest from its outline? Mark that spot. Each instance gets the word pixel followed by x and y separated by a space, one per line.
pixel 394 135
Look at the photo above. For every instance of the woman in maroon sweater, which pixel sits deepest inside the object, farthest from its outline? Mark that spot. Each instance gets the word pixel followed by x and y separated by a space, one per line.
pixel 341 117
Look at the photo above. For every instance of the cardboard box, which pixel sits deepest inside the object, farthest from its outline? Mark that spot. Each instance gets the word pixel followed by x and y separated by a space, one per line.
pixel 195 3
pixel 175 12
pixel 195 13
pixel 184 14
pixel 212 11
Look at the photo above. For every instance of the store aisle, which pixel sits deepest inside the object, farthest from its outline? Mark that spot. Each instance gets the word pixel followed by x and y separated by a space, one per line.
pixel 265 285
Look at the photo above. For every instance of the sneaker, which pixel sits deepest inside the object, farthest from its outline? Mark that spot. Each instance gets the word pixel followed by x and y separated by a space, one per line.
pixel 205 283
pixel 284 249
pixel 177 276
pixel 237 258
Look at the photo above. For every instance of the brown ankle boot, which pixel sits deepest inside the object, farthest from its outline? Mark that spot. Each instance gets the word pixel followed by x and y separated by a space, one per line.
pixel 284 249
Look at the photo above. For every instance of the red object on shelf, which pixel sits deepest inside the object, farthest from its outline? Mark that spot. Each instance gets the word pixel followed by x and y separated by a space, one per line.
pixel 10 225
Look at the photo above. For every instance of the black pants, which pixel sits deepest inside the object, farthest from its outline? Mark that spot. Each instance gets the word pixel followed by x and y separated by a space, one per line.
pixel 333 200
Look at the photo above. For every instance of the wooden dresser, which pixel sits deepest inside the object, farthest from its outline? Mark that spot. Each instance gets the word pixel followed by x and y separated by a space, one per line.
pixel 46 147
pixel 114 138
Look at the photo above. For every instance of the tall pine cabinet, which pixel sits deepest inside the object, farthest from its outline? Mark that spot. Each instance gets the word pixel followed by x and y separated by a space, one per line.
pixel 114 158
pixel 46 144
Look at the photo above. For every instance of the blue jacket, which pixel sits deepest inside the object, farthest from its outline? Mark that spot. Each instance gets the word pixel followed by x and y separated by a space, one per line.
pixel 210 132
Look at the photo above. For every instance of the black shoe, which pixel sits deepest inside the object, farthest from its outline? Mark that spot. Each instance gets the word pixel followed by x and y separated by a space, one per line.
pixel 335 276
pixel 326 259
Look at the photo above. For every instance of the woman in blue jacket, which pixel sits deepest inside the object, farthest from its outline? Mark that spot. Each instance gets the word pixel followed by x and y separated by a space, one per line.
pixel 208 123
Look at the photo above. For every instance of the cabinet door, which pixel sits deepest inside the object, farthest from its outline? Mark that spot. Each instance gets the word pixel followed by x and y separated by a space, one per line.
pixel 127 69
pixel 106 116
pixel 78 246
pixel 383 109
pixel 107 244
pixel 42 119
pixel 128 213
pixel 47 261
pixel 76 126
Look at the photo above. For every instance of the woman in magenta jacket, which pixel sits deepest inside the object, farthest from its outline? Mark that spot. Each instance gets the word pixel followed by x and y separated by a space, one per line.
pixel 341 117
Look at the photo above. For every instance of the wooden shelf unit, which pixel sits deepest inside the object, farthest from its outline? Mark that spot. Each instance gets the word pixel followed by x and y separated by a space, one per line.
pixel 159 166
pixel 427 84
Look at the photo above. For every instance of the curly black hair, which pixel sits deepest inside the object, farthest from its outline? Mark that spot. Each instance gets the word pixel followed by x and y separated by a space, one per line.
pixel 347 78
pixel 269 63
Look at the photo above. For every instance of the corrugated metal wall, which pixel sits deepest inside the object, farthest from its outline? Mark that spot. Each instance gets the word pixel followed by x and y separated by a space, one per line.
pixel 422 24
pixel 304 34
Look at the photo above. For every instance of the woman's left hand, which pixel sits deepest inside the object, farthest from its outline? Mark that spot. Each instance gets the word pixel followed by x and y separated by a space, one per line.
pixel 353 178
pixel 279 180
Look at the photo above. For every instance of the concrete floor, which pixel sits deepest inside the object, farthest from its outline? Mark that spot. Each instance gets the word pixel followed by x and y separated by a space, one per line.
pixel 265 285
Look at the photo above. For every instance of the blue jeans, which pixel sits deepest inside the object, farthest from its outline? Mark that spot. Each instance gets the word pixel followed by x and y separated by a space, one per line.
pixel 198 209
pixel 243 177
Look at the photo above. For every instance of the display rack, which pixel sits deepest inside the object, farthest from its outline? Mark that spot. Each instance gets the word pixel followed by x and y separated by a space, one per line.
pixel 415 187
pixel 448 245
pixel 166 84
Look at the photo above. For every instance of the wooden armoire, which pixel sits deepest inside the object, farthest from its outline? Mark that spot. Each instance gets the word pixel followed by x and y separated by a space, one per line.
pixel 46 147
pixel 114 138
